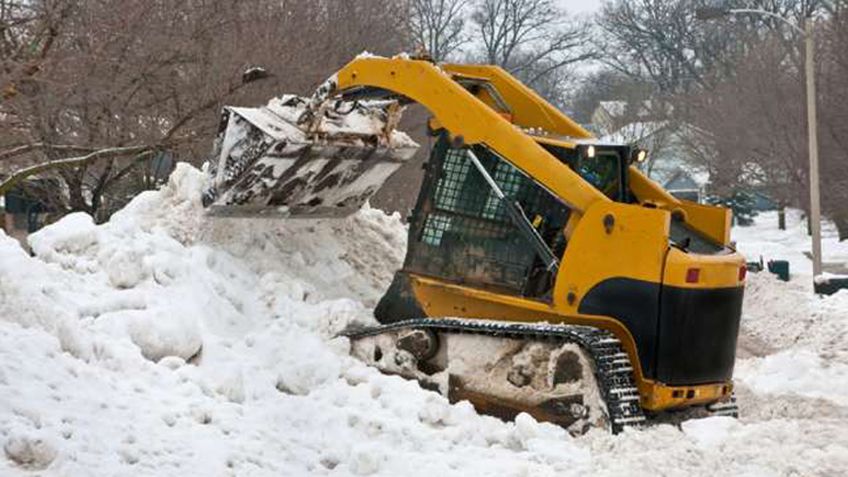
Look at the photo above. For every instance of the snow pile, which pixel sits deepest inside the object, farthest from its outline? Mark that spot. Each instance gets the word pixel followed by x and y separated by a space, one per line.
pixel 136 347
pixel 799 372
pixel 163 343
pixel 317 259
pixel 797 338
pixel 780 315
pixel 364 118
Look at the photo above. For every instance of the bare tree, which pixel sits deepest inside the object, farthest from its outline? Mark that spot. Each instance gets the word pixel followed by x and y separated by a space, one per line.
pixel 752 130
pixel 833 111
pixel 658 40
pixel 532 39
pixel 661 40
pixel 738 84
pixel 437 26
pixel 118 83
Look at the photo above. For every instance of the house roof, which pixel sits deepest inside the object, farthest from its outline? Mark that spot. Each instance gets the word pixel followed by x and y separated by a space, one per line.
pixel 677 173
pixel 617 108
pixel 634 132
pixel 614 108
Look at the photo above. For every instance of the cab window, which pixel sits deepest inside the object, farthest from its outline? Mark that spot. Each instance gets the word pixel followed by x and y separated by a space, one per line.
pixel 602 171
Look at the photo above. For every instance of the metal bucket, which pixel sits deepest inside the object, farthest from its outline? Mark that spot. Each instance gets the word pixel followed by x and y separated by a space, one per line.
pixel 267 164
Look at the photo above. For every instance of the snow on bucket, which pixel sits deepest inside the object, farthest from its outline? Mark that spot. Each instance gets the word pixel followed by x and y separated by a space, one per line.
pixel 266 161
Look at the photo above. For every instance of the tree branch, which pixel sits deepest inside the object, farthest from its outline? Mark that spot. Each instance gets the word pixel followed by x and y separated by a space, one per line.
pixel 25 148
pixel 22 174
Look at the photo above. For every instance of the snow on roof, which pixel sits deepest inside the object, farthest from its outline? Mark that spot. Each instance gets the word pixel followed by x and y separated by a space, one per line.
pixel 827 277
pixel 367 54
pixel 618 108
pixel 614 108
pixel 700 175
pixel 753 174
pixel 634 132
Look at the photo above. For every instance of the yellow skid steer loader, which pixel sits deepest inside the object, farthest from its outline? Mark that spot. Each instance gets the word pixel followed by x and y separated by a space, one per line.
pixel 544 272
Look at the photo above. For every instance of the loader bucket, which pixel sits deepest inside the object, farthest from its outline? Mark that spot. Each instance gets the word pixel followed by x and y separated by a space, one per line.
pixel 265 163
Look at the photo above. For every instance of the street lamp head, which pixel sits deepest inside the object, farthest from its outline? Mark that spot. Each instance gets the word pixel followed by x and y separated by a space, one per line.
pixel 711 13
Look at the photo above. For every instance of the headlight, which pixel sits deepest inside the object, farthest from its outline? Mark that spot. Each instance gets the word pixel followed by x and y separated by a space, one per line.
pixel 639 155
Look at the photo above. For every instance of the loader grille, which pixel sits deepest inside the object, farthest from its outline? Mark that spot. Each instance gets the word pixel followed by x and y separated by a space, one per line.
pixel 458 193
pixel 461 231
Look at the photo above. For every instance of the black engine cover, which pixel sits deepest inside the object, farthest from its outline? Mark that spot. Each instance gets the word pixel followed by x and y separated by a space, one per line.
pixel 684 336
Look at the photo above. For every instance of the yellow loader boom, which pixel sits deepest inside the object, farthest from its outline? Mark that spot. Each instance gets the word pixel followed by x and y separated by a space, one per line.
pixel 461 113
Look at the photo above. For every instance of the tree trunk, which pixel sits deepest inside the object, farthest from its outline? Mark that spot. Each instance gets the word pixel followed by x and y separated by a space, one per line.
pixel 781 218
pixel 76 200
pixel 841 222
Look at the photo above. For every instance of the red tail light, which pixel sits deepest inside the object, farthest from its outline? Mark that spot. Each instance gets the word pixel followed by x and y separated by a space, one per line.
pixel 743 272
pixel 693 275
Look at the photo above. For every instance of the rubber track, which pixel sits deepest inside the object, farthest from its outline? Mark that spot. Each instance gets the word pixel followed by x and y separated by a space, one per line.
pixel 728 408
pixel 613 369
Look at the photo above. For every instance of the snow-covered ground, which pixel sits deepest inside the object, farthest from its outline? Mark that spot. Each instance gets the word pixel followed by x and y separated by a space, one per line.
pixel 163 343
pixel 767 241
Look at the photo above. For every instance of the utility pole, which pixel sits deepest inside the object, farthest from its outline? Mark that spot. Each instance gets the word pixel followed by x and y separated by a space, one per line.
pixel 813 142
pixel 712 13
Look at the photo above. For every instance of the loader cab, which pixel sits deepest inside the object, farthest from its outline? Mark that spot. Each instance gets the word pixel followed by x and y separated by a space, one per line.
pixel 603 166
pixel 460 231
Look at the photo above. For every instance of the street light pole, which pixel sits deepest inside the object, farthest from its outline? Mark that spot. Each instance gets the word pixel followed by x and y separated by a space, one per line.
pixel 813 142
pixel 710 13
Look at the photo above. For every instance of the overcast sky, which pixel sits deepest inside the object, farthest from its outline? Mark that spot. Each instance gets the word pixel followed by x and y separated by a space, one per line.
pixel 581 6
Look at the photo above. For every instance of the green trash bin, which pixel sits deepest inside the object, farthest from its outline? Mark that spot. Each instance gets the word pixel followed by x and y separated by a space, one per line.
pixel 779 268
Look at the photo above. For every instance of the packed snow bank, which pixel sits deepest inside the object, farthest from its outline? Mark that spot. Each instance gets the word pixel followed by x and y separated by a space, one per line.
pixel 784 315
pixel 317 259
pixel 163 343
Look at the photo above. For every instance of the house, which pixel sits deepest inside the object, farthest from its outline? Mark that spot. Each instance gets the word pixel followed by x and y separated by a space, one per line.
pixel 670 162
pixel 687 185
pixel 24 212
pixel 609 115
pixel 605 116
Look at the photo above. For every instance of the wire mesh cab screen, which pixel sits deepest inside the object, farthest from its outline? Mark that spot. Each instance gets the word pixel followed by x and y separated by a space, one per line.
pixel 461 232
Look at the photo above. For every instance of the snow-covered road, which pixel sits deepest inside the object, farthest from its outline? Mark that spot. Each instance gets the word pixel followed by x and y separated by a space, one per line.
pixel 161 343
